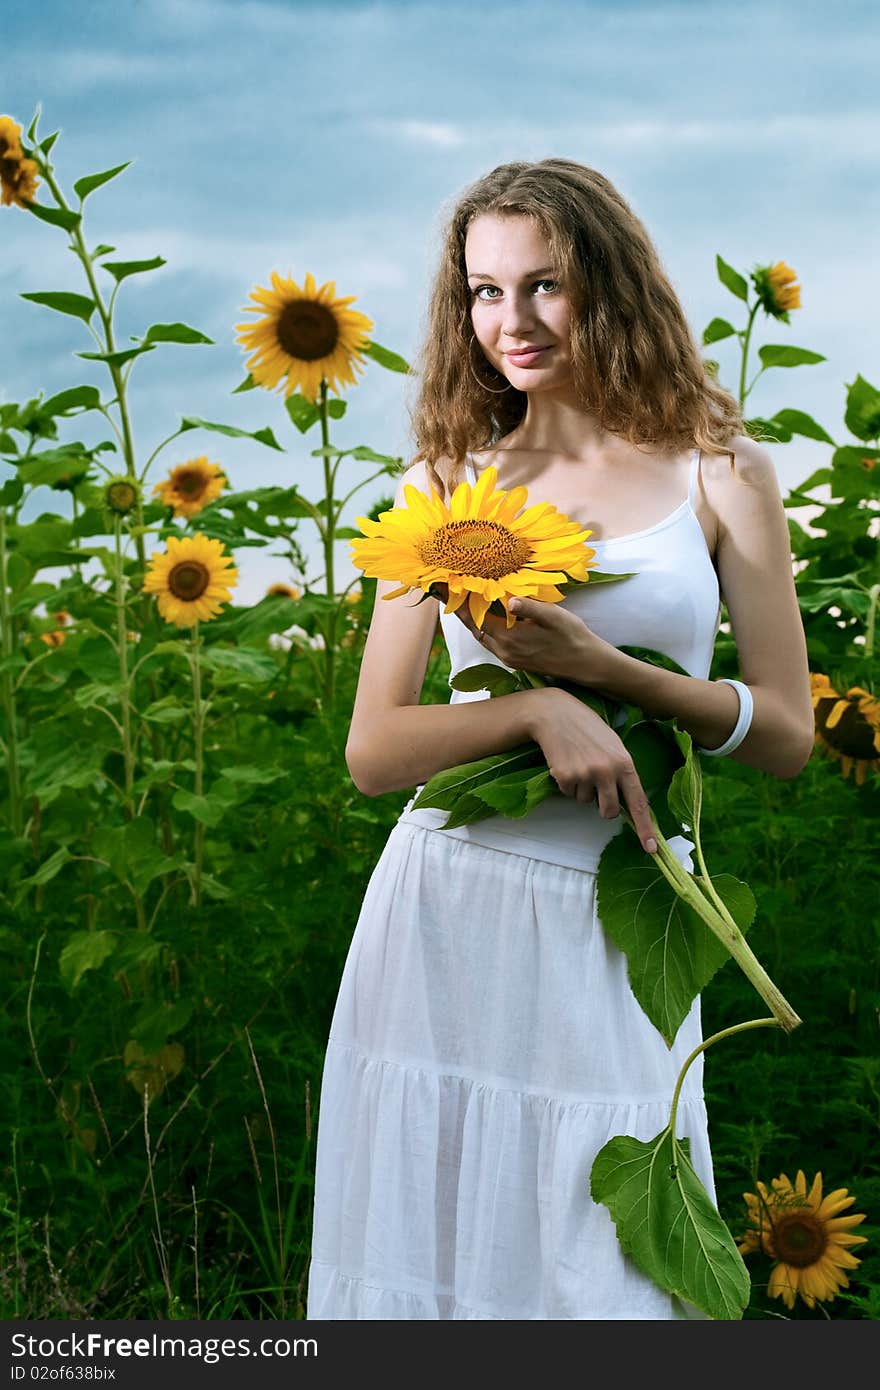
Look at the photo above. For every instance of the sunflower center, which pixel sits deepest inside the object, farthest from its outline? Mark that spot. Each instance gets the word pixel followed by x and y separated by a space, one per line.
pixel 485 549
pixel 189 579
pixel 190 482
pixel 853 732
pixel 307 330
pixel 799 1238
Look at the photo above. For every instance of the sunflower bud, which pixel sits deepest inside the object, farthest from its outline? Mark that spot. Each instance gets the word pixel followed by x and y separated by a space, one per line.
pixel 776 289
pixel 121 494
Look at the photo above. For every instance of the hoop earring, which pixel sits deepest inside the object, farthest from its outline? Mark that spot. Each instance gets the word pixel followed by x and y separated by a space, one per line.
pixel 493 390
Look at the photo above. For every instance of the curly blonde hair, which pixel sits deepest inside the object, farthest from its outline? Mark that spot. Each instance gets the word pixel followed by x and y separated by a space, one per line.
pixel 635 362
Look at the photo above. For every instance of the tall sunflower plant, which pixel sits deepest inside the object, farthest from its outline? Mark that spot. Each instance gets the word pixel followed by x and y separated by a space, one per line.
pixel 305 342
pixel 483 549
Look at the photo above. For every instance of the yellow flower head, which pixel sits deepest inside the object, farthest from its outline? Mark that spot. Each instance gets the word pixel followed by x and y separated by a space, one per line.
pixel 284 590
pixel 18 174
pixel 776 289
pixel 191 579
pixel 304 335
pixel 121 494
pixel 806 1236
pixel 191 486
pixel 478 546
pixel 847 726
pixel 53 639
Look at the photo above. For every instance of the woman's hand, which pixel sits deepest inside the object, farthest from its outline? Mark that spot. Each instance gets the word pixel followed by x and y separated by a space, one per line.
pixel 546 638
pixel 588 760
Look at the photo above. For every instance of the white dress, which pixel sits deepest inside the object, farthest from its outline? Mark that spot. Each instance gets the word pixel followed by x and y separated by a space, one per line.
pixel 486 1042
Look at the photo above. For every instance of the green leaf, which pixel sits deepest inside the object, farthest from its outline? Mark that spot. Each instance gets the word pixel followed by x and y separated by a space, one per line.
pixel 77 305
pixel 798 422
pixel 120 270
pixel 46 145
pixel 385 357
pixel 132 852
pixel 86 185
pixel 782 355
pixel 671 952
pixel 667 1224
pixel 56 217
pixel 247 385
pixel 731 279
pixel 716 330
pixel 53 464
pixel 862 415
pixel 192 422
pixel 117 359
pixel 74 398
pixel 167 711
pixel 519 792
pixel 250 775
pixel 209 809
pixel 468 809
pixel 86 950
pixel 302 413
pixel 655 658
pixel 243 662
pixel 44 874
pixel 487 676
pixel 102 250
pixel 10 493
pixel 155 1021
pixel 444 788
pixel 175 333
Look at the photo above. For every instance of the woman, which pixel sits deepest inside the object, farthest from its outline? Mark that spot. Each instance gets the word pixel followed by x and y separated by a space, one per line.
pixel 486 1042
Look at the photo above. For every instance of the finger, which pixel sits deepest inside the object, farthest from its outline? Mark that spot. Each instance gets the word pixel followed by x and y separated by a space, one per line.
pixel 585 792
pixel 637 805
pixel 609 802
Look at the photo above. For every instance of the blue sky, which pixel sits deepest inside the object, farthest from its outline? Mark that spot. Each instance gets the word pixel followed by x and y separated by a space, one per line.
pixel 335 137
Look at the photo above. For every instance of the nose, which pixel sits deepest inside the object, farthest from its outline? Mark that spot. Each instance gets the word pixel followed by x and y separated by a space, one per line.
pixel 519 317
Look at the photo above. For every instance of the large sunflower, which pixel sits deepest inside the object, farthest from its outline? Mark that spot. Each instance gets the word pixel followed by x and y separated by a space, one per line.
pixel 18 174
pixel 191 579
pixel 805 1235
pixel 304 335
pixel 191 486
pixel 477 545
pixel 847 726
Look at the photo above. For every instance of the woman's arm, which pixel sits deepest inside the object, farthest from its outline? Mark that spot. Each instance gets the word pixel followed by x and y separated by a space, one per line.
pixel 754 568
pixel 394 742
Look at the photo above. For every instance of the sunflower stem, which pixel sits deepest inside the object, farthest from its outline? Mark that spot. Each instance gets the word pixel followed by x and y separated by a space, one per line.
pixel 198 715
pixel 870 626
pixel 125 692
pixel 329 538
pixel 119 384
pixel 708 1042
pixel 688 889
pixel 8 691
pixel 743 391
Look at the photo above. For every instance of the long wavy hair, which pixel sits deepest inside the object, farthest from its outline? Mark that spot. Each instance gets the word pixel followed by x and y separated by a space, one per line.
pixel 635 362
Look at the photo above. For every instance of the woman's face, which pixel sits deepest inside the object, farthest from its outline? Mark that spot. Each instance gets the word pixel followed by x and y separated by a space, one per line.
pixel 516 301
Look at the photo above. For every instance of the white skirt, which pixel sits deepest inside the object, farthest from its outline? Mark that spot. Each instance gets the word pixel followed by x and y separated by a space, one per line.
pixel 484 1046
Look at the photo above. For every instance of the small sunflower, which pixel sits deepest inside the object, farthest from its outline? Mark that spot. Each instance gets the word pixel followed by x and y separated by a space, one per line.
pixel 18 174
pixel 776 289
pixel 191 486
pixel 53 639
pixel 477 546
pixel 806 1236
pixel 191 579
pixel 847 726
pixel 283 590
pixel 121 494
pixel 304 335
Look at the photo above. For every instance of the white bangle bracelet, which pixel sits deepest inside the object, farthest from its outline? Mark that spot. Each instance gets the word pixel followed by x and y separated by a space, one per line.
pixel 743 722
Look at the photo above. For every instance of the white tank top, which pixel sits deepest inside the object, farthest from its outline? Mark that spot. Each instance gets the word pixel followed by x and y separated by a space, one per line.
pixel 671 604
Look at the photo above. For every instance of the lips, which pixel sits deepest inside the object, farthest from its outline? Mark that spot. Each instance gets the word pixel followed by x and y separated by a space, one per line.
pixel 526 357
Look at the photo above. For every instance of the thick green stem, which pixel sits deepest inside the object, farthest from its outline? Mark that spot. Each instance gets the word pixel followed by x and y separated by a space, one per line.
pixel 871 622
pixel 199 716
pixel 329 538
pixel 13 773
pixel 707 1042
pixel 724 927
pixel 125 682
pixel 745 355
pixel 79 247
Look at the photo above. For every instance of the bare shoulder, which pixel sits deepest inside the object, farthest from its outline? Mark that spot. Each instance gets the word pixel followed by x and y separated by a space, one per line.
pixel 427 480
pixel 736 487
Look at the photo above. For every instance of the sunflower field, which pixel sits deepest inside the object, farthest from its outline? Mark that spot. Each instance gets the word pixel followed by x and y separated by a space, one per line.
pixel 184 853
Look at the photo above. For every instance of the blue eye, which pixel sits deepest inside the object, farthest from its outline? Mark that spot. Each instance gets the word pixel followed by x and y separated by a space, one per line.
pixel 478 288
